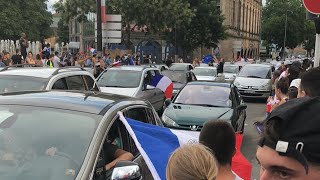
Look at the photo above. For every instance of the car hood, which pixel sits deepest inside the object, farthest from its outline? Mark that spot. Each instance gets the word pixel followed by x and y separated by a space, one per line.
pixel 255 82
pixel 178 85
pixel 196 115
pixel 206 78
pixel 119 91
pixel 230 75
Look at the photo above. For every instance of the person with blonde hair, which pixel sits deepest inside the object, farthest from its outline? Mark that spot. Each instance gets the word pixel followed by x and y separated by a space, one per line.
pixel 191 162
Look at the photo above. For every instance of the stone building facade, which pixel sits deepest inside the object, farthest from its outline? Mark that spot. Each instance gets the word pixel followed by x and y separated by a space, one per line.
pixel 243 20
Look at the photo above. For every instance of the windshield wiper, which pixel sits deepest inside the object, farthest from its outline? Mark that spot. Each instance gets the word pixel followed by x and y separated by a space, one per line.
pixel 206 105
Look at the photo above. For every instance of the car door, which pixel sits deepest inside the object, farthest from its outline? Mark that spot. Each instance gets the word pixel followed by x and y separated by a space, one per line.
pixel 154 95
pixel 146 115
pixel 239 113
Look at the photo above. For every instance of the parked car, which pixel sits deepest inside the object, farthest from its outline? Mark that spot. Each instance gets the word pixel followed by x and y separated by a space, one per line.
pixel 181 67
pixel 133 81
pixel 199 102
pixel 63 139
pixel 230 72
pixel 254 80
pixel 208 74
pixel 179 79
pixel 14 79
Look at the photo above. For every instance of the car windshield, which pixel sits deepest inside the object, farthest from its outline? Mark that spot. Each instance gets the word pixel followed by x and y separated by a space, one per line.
pixel 120 78
pixel 204 95
pixel 176 76
pixel 21 83
pixel 231 69
pixel 255 72
pixel 39 143
pixel 178 67
pixel 205 72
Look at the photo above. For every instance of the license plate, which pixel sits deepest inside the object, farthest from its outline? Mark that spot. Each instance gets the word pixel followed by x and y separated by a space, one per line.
pixel 249 92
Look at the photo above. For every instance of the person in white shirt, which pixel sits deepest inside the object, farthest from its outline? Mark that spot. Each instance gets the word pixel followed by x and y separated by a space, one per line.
pixel 56 60
pixel 220 137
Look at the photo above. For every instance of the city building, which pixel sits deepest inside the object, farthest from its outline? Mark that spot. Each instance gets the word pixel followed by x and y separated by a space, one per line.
pixel 243 20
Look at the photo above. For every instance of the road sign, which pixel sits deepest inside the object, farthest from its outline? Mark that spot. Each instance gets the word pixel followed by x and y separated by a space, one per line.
pixel 111 26
pixel 114 18
pixel 313 6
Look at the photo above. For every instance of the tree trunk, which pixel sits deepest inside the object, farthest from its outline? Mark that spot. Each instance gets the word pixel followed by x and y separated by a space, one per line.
pixel 81 37
pixel 128 29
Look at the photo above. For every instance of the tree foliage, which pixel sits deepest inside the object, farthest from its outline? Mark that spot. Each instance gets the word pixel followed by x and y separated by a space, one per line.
pixel 204 30
pixel 274 19
pixel 20 16
pixel 309 36
pixel 63 31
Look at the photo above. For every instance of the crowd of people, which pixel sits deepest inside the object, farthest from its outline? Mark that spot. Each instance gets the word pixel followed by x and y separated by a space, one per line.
pixel 289 147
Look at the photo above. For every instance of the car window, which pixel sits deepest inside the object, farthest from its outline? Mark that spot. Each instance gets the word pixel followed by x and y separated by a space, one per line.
pixel 90 83
pixel 205 95
pixel 176 76
pixel 255 72
pixel 60 84
pixel 119 78
pixel 139 114
pixel 21 83
pixel 75 83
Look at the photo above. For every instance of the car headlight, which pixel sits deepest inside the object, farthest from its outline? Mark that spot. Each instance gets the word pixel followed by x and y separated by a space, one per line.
pixel 265 87
pixel 236 83
pixel 168 121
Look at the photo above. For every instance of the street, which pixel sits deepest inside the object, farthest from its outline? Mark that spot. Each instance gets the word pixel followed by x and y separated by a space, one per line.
pixel 255 112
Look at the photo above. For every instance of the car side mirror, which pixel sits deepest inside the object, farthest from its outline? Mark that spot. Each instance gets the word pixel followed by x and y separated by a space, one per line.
pixel 242 107
pixel 126 170
pixel 148 87
pixel 167 102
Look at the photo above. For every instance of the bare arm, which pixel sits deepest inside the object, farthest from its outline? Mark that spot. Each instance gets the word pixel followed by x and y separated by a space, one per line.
pixel 120 155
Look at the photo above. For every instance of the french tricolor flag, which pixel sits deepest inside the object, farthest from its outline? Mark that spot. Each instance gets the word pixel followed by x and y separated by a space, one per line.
pixel 93 51
pixel 163 83
pixel 156 144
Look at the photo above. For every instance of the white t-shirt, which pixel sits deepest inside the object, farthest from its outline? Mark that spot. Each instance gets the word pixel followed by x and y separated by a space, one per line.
pixel 56 61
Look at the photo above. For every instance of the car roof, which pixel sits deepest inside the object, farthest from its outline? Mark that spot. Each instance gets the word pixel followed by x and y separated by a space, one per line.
pixel 134 68
pixel 181 64
pixel 258 65
pixel 205 67
pixel 88 102
pixel 206 83
pixel 40 72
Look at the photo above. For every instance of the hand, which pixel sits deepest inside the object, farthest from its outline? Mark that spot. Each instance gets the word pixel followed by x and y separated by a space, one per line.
pixel 51 151
pixel 109 166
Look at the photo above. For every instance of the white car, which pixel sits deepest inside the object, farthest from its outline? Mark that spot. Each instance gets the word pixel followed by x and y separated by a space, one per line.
pixel 133 81
pixel 208 73
pixel 230 72
pixel 254 80
pixel 18 79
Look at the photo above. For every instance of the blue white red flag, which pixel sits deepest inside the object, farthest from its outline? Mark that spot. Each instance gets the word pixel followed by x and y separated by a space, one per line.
pixel 156 144
pixel 163 83
pixel 93 51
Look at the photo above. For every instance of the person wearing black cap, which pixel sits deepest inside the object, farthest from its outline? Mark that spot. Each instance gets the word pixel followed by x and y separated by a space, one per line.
pixel 289 147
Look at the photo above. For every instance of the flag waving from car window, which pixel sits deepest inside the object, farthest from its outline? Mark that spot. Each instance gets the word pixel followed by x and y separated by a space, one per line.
pixel 156 144
pixel 163 83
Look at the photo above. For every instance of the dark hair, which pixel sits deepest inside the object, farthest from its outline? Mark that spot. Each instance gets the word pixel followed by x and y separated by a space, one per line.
pixel 30 52
pixel 43 56
pixel 38 57
pixel 56 53
pixel 310 82
pixel 5 53
pixel 17 50
pixel 276 74
pixel 293 93
pixel 51 56
pixel 220 137
pixel 283 85
pixel 294 73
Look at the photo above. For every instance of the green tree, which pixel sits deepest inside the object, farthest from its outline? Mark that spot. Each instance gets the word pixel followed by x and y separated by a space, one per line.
pixel 155 16
pixel 274 18
pixel 63 31
pixel 309 36
pixel 204 30
pixel 20 16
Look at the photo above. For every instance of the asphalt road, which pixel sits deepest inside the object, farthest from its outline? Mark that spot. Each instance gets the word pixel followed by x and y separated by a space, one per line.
pixel 255 112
